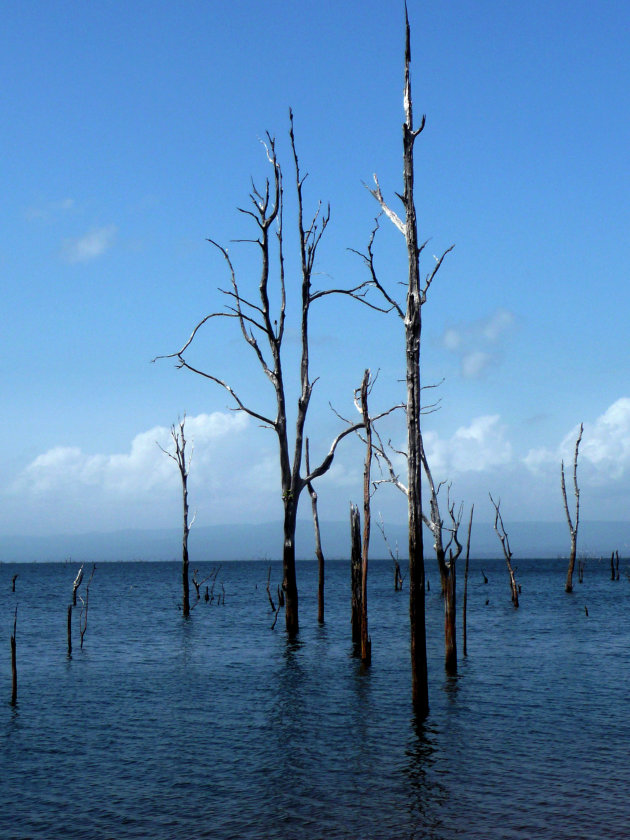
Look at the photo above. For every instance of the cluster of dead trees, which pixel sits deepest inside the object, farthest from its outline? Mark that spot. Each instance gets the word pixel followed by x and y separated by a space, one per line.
pixel 262 324
pixel 261 318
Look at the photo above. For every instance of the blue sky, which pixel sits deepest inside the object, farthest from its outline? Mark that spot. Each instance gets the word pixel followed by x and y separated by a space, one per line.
pixel 130 135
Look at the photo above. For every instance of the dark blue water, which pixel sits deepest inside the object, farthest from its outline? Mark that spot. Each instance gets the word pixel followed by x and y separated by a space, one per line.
pixel 219 727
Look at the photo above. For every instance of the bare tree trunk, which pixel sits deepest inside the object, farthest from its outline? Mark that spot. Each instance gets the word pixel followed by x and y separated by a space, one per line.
pixel 573 528
pixel 411 316
pixel 69 629
pixel 318 543
pixel 289 580
pixel 264 334
pixel 14 685
pixel 76 585
pixel 450 610
pixel 464 628
pixel 183 465
pixel 355 572
pixel 366 644
pixel 613 575
pixel 505 545
pixel 83 618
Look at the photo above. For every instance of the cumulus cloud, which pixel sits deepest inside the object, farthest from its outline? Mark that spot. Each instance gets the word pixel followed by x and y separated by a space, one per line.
pixel 480 446
pixel 233 477
pixel 91 245
pixel 604 450
pixel 477 343
pixel 140 469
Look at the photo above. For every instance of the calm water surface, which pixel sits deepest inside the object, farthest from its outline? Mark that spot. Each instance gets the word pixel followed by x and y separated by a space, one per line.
pixel 219 727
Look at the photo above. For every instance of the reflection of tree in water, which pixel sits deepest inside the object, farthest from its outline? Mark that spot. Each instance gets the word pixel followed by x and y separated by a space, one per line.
pixel 426 795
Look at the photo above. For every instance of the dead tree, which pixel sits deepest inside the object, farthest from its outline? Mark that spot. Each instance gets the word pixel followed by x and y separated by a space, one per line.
pixel 614 565
pixel 355 573
pixel 264 334
pixel 14 685
pixel 199 583
pixel 447 568
pixel 183 465
pixel 275 610
pixel 505 545
pixel 398 578
pixel 83 617
pixel 465 606
pixel 366 644
pixel 411 316
pixel 69 630
pixel 581 564
pixel 318 542
pixel 573 526
pixel 76 585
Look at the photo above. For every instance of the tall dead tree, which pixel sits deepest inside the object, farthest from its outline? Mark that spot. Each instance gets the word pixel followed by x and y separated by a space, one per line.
pixel 183 465
pixel 264 334
pixel 355 573
pixel 362 403
pixel 318 542
pixel 573 525
pixel 411 315
pixel 505 545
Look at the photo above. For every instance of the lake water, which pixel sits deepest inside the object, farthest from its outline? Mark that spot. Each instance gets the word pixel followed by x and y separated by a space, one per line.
pixel 219 727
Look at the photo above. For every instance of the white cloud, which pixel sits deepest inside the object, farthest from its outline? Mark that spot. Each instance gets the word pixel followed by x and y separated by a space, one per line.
pixel 233 477
pixel 475 448
pixel 604 450
pixel 89 246
pixel 474 363
pixel 476 342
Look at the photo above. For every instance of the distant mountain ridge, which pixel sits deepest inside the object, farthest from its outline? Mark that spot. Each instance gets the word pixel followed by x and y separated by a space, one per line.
pixel 216 543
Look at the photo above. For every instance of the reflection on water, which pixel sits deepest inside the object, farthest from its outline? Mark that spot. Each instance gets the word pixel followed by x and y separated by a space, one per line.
pixel 219 727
